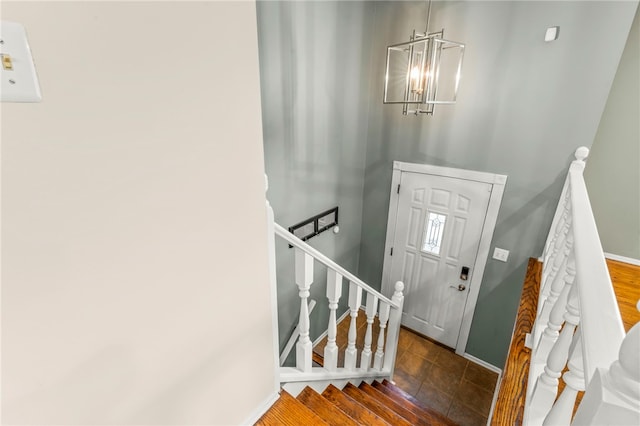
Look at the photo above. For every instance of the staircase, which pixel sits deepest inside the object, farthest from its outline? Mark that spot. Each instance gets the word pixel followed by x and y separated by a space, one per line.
pixel 570 360
pixel 378 403
pixel 350 384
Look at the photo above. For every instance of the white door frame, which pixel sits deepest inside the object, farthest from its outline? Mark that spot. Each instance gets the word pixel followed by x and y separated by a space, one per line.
pixel 498 183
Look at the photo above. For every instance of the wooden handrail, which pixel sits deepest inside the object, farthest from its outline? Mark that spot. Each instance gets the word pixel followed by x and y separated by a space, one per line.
pixel 297 242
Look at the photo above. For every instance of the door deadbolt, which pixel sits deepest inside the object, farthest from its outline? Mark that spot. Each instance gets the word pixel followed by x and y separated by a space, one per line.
pixel 461 287
pixel 464 273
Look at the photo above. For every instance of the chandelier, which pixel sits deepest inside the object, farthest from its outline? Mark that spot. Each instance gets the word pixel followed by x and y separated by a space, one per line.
pixel 423 72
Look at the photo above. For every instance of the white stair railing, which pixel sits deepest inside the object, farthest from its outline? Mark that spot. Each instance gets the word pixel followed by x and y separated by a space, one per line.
pixel 578 325
pixel 377 359
pixel 334 291
pixel 294 337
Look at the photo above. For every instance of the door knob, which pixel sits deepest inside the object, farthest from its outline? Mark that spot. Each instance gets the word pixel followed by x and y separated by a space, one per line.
pixel 460 287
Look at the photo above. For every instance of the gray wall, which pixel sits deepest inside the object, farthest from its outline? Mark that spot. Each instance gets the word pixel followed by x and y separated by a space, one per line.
pixel 613 168
pixel 314 78
pixel 523 108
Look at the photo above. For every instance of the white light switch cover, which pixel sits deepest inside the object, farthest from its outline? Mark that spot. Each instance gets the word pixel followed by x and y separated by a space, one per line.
pixel 500 254
pixel 19 84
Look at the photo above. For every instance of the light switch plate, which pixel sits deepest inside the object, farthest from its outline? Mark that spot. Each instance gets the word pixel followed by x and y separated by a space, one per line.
pixel 17 70
pixel 500 254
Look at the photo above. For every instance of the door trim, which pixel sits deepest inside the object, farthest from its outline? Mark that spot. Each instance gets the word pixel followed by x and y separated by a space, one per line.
pixel 498 183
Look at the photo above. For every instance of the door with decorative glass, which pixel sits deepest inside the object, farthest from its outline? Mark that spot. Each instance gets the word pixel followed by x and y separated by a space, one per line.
pixel 434 233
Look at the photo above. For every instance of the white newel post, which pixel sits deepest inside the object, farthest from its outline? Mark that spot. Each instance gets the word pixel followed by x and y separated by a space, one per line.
pixel 351 353
pixel 613 396
pixel 304 278
pixel 273 282
pixel 334 291
pixel 372 307
pixel 395 317
pixel 383 317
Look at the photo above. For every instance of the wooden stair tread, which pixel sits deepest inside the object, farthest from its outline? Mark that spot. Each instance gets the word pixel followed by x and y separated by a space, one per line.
pixel 324 409
pixel 317 358
pixel 289 411
pixel 509 407
pixel 375 405
pixel 351 407
pixel 418 407
pixel 401 407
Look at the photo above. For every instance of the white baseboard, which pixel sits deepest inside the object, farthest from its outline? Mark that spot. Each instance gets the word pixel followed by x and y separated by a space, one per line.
pixel 262 408
pixel 498 382
pixel 494 400
pixel 483 363
pixel 624 259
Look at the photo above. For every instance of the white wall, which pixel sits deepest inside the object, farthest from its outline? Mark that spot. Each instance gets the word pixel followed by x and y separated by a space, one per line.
pixel 134 262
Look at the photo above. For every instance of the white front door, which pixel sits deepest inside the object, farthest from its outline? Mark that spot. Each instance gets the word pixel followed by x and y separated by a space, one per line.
pixel 438 226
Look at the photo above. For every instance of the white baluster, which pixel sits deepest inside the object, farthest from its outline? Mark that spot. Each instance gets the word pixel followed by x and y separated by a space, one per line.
pixel 304 278
pixel 562 410
pixel 546 388
pixel 548 303
pixel 556 288
pixel 554 232
pixel 334 291
pixel 613 397
pixel 351 353
pixel 578 164
pixel 372 307
pixel 558 255
pixel 383 317
pixel 395 317
pixel 556 317
pixel 557 229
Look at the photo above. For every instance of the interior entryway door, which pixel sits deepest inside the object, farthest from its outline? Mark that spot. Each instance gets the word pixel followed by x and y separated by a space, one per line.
pixel 437 230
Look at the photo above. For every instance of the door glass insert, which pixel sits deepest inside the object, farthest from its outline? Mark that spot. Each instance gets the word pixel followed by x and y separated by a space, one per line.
pixel 433 232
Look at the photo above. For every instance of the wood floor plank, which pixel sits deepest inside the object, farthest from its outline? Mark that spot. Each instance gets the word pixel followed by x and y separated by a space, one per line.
pixel 354 409
pixel 626 284
pixel 402 397
pixel 510 403
pixel 401 409
pixel 509 409
pixel 287 411
pixel 374 405
pixel 323 408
